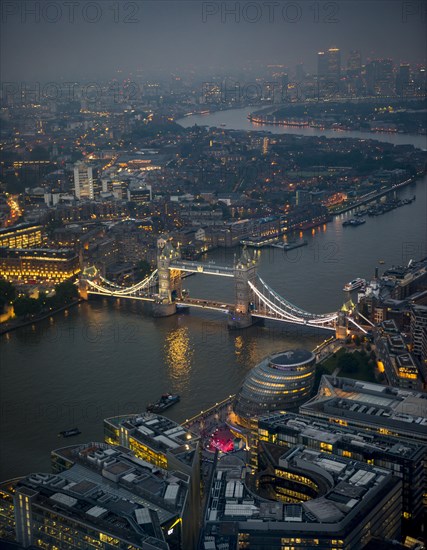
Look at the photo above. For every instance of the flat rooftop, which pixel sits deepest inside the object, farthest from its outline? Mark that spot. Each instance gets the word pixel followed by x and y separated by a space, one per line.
pixel 94 503
pixel 353 488
pixel 401 410
pixel 123 476
pixel 330 432
pixel 160 433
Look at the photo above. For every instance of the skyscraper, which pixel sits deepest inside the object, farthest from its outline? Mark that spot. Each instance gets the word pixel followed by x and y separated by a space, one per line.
pixel 299 72
pixel 403 79
pixel 322 66
pixel 334 64
pixel 379 76
pixel 83 181
pixel 329 71
pixel 354 63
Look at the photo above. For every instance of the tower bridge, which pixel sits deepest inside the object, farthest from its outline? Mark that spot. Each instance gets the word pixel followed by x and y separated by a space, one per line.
pixel 253 297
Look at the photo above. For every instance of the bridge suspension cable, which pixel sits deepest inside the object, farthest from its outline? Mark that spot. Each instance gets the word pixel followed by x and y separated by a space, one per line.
pixel 294 311
pixel 120 291
pixel 269 302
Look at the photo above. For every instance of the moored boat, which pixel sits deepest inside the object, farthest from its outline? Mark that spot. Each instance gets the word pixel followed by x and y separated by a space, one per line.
pixel 354 222
pixel 166 401
pixel 353 285
pixel 291 245
pixel 69 433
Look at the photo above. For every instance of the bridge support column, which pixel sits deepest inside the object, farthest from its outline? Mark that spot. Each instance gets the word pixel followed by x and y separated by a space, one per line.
pixel 237 321
pixel 245 270
pixel 83 290
pixel 163 310
pixel 164 305
pixel 341 326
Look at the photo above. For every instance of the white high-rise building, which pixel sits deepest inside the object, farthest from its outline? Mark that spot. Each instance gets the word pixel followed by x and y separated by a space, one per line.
pixel 83 181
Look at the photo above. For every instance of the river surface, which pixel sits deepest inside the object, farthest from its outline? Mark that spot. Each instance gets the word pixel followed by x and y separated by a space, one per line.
pixel 237 119
pixel 104 358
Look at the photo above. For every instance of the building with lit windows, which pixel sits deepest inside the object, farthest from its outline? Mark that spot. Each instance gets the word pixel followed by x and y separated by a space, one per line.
pixel 333 64
pixel 418 323
pixel 405 459
pixel 373 407
pixel 379 77
pixel 354 64
pixel 38 264
pixel 139 193
pixel 98 497
pixel 83 181
pixel 24 235
pixel 161 442
pixel 282 381
pixel 329 68
pixel 399 365
pixel 338 503
pixel 423 357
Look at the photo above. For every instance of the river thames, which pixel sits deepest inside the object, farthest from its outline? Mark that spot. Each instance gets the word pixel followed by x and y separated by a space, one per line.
pixel 105 357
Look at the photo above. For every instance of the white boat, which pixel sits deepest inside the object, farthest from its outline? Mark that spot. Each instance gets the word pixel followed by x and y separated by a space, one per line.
pixel 353 285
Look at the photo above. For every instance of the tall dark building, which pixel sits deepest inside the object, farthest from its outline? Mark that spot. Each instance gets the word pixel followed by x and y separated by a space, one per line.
pixel 354 64
pixel 322 65
pixel 299 72
pixel 329 71
pixel 379 77
pixel 403 79
pixel 420 79
pixel 334 64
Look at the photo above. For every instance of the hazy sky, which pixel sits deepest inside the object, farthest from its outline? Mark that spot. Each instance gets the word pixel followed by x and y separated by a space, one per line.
pixel 72 39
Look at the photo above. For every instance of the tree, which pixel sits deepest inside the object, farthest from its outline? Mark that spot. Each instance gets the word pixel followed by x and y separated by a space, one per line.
pixel 347 363
pixel 66 292
pixel 357 340
pixel 7 293
pixel 26 306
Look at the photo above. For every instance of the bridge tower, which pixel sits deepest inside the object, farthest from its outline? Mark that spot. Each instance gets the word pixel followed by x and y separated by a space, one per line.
pixel 341 326
pixel 245 270
pixel 169 283
pixel 83 289
pixel 88 272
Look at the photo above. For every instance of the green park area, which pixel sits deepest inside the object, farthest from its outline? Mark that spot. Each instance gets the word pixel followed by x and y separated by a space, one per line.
pixel 25 306
pixel 358 364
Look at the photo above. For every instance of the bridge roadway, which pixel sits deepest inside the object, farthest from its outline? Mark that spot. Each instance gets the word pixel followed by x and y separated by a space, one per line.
pixel 145 297
pixel 206 268
pixel 187 301
pixel 206 304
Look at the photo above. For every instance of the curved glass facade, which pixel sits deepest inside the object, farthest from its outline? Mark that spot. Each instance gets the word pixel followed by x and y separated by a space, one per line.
pixel 282 381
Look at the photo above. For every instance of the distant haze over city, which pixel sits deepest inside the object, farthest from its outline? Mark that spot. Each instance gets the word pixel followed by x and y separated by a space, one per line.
pixel 80 40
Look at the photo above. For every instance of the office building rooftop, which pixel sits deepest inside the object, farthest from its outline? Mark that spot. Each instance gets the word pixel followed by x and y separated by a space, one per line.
pixel 334 434
pixel 352 490
pixel 392 411
pixel 161 433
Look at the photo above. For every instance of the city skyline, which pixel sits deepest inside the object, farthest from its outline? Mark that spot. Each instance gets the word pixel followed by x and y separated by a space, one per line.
pixel 49 40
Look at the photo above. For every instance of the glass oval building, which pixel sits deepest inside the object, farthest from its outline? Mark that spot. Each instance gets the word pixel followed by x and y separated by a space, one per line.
pixel 282 381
